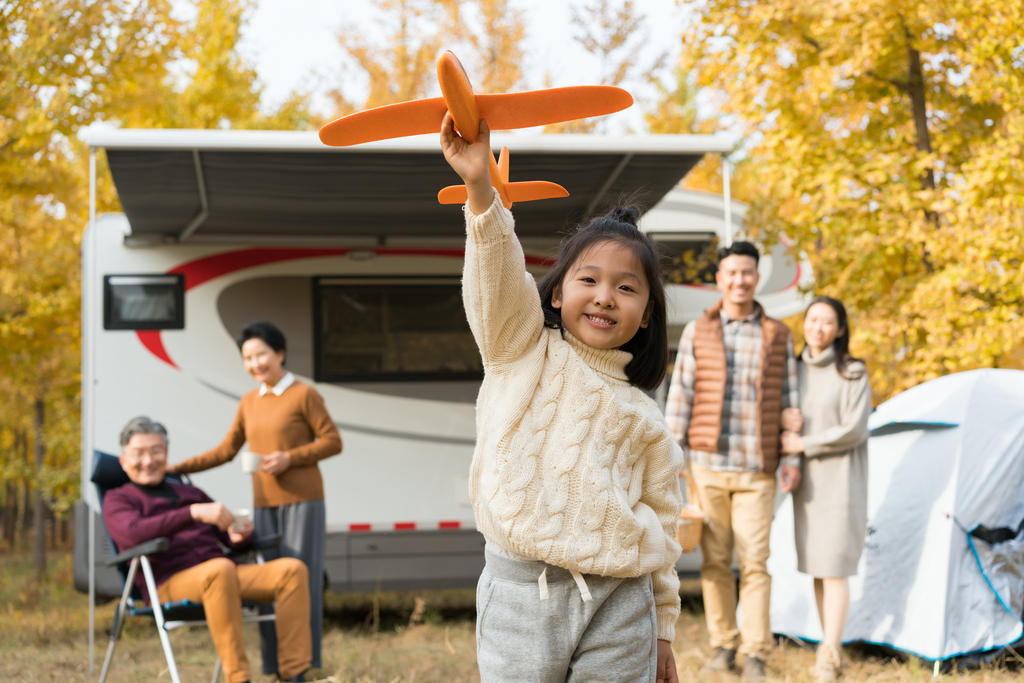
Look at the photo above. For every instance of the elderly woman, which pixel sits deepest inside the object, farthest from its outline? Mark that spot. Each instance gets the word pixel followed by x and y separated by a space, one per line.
pixel 286 422
pixel 830 505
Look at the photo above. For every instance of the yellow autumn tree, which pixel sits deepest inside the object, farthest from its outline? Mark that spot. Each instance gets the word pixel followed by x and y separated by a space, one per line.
pixel 889 139
pixel 486 35
pixel 66 64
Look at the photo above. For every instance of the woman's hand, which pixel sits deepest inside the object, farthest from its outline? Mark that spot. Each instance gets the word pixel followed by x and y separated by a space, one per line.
pixel 237 536
pixel 666 663
pixel 792 443
pixel 792 420
pixel 275 463
pixel 472 161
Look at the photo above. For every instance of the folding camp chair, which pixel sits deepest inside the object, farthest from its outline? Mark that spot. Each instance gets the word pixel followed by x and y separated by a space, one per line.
pixel 108 475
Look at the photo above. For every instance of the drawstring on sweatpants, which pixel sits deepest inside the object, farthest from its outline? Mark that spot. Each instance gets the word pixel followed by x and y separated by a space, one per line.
pixel 542 584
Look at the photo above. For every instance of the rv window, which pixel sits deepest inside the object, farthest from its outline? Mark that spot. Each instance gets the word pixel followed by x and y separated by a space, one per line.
pixel 393 329
pixel 689 259
pixel 143 302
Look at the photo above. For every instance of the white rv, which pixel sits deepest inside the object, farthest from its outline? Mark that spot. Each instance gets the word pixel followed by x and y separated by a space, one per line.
pixel 349 253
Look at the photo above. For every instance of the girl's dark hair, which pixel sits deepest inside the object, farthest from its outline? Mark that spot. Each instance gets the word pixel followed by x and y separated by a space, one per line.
pixel 649 345
pixel 267 332
pixel 841 345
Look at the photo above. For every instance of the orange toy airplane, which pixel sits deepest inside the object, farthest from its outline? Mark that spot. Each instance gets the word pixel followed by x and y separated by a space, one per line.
pixel 502 112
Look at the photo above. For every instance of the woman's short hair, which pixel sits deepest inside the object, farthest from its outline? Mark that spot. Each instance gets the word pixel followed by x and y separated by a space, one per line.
pixel 142 425
pixel 268 333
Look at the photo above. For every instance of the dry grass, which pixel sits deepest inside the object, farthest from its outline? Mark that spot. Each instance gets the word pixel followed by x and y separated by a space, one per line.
pixel 388 638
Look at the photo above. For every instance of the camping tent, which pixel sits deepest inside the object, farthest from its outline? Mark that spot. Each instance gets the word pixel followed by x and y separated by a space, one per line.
pixel 942 573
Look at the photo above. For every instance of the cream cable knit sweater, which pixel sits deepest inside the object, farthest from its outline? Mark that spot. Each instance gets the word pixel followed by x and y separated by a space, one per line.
pixel 573 465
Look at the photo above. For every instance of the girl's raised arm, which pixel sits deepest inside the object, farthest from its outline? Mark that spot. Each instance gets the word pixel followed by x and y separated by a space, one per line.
pixel 501 299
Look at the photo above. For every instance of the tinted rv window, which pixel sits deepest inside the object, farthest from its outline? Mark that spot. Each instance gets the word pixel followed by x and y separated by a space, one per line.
pixel 393 329
pixel 144 302
pixel 690 259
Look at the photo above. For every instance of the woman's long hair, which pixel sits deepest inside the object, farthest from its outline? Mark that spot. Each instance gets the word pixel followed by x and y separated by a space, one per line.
pixel 649 345
pixel 841 345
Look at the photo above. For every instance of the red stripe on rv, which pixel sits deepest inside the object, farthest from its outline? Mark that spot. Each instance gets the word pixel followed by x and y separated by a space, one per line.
pixel 358 527
pixel 449 525
pixel 202 270
pixel 154 343
pixel 405 526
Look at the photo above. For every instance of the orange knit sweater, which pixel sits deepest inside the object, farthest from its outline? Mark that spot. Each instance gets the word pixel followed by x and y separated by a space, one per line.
pixel 296 422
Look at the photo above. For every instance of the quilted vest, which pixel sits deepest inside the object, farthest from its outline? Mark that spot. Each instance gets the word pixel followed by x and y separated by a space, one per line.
pixel 709 387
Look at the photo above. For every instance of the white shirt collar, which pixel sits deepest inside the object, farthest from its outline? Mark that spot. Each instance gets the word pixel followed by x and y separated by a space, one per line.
pixel 279 388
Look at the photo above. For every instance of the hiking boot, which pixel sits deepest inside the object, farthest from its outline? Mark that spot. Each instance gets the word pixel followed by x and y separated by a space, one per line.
pixel 753 669
pixel 829 662
pixel 722 660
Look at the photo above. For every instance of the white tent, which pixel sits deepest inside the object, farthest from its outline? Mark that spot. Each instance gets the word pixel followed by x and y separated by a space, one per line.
pixel 945 458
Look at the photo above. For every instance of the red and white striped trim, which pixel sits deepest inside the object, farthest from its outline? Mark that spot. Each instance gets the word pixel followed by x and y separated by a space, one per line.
pixel 409 526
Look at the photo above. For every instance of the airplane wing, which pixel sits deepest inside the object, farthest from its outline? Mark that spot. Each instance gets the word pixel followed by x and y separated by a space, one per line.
pixel 517 192
pixel 505 111
pixel 390 121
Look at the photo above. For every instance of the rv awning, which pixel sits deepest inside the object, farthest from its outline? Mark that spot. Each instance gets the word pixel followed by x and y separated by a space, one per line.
pixel 208 185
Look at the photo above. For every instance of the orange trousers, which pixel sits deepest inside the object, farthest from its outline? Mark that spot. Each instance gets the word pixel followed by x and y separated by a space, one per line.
pixel 221 586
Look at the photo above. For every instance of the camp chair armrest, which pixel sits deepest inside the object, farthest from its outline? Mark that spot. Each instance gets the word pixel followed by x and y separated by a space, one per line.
pixel 266 542
pixel 157 545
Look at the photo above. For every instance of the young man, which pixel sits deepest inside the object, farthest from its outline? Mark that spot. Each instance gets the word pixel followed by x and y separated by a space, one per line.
pixel 194 566
pixel 734 376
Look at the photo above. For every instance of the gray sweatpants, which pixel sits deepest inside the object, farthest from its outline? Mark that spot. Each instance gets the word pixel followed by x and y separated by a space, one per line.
pixel 303 529
pixel 519 637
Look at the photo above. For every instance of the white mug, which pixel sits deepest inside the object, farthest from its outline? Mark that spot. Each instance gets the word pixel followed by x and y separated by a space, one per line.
pixel 250 461
pixel 241 519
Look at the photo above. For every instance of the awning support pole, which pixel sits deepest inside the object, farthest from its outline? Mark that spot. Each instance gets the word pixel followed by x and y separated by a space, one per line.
pixel 87 347
pixel 608 183
pixel 204 207
pixel 728 200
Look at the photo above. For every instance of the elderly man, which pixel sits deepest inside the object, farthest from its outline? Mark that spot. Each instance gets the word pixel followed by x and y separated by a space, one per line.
pixel 194 566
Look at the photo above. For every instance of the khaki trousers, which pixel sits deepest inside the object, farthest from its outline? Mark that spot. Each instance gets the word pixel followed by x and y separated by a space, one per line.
pixel 740 506
pixel 221 586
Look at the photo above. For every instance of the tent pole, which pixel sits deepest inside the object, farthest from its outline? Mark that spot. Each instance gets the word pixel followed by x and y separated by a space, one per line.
pixel 728 200
pixel 89 490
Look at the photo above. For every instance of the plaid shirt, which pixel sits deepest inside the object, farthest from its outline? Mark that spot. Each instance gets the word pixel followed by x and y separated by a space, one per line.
pixel 737 444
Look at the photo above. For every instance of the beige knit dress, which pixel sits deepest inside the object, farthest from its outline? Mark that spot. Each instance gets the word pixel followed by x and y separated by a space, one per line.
pixel 830 505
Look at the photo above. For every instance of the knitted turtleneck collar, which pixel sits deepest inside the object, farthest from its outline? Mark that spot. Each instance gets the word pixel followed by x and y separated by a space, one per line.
pixel 609 362
pixel 825 358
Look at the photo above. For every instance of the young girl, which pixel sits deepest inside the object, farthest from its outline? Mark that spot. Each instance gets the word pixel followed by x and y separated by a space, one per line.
pixel 574 478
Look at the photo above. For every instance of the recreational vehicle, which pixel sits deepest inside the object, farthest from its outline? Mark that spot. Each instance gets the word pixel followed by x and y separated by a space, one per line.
pixel 349 253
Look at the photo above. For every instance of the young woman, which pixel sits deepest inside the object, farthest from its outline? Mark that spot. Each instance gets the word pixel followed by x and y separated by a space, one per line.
pixel 285 422
pixel 574 480
pixel 830 505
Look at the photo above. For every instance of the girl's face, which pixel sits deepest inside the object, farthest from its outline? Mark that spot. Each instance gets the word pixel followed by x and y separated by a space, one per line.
pixel 604 297
pixel 263 363
pixel 821 327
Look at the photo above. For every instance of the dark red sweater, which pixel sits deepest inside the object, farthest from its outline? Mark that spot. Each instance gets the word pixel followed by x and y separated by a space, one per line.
pixel 133 517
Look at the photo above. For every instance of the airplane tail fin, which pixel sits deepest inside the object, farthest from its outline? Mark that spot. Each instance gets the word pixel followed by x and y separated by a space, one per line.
pixel 517 192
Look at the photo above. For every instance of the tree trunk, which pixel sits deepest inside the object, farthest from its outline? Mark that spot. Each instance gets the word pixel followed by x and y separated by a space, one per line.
pixel 10 506
pixel 39 518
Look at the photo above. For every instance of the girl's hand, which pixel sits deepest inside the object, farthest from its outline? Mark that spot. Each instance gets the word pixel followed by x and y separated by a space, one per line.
pixel 666 663
pixel 471 161
pixel 275 463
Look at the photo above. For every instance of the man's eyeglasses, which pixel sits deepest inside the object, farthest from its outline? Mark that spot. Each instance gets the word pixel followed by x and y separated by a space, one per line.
pixel 156 453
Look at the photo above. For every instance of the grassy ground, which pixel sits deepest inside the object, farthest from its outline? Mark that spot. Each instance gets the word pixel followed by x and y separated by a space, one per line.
pixel 388 638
